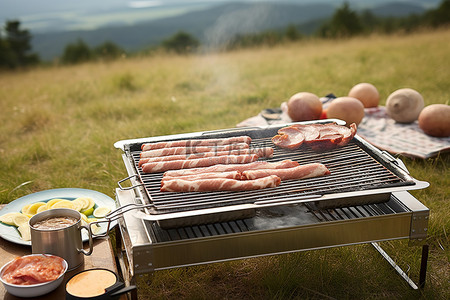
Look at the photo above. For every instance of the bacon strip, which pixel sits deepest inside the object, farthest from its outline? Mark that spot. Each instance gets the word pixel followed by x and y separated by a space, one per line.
pixel 261 152
pixel 155 167
pixel 230 175
pixel 197 142
pixel 191 150
pixel 219 184
pixel 300 172
pixel 235 167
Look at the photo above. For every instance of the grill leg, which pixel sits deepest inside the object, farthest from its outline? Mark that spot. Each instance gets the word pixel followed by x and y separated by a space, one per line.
pixel 423 266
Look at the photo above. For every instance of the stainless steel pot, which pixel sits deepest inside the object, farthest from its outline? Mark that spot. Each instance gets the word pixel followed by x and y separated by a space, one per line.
pixel 65 242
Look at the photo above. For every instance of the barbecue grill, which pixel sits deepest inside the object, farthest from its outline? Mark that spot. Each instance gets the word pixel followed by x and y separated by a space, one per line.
pixel 365 199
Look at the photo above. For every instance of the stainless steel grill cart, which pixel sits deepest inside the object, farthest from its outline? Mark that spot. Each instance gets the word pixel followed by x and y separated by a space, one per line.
pixel 364 200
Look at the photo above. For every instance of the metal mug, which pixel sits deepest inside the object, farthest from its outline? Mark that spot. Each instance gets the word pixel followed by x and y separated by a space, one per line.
pixel 65 242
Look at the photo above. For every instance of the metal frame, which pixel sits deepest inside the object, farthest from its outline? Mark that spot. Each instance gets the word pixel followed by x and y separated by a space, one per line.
pixel 138 254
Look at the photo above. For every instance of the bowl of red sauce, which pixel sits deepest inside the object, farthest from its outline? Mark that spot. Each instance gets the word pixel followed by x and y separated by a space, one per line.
pixel 33 275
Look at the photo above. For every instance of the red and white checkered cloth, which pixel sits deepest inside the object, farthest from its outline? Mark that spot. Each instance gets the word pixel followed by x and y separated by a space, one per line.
pixel 378 129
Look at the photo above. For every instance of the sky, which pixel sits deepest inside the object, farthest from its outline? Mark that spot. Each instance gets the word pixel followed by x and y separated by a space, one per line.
pixel 62 15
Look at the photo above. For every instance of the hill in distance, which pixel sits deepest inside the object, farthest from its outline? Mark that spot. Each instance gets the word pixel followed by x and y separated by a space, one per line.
pixel 212 26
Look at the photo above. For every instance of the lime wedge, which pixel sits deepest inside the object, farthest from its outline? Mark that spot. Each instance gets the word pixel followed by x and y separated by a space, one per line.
pixel 88 212
pixel 101 212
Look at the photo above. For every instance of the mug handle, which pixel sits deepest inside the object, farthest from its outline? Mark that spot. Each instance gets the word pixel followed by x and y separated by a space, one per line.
pixel 91 244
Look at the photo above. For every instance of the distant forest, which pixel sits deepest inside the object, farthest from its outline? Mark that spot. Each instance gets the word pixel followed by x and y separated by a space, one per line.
pixel 16 51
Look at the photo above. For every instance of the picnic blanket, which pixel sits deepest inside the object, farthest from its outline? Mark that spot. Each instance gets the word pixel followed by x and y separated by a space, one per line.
pixel 376 127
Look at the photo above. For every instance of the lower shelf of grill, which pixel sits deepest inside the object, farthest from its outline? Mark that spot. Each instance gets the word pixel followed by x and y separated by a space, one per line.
pixel 273 230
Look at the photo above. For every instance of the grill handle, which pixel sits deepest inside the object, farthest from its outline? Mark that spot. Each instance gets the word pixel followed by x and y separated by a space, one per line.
pixel 115 215
pixel 131 187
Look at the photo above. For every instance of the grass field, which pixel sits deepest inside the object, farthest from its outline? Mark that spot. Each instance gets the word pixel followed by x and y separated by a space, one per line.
pixel 59 125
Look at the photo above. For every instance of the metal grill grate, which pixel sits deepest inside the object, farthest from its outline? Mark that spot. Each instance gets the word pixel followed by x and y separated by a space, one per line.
pixel 352 169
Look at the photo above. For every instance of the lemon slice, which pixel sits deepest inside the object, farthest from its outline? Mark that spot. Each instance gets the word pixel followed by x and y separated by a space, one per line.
pixel 32 210
pixel 20 220
pixel 85 202
pixel 84 218
pixel 42 208
pixel 9 218
pixel 101 212
pixel 95 228
pixel 53 201
pixel 25 232
pixel 25 208
pixel 77 206
pixel 63 204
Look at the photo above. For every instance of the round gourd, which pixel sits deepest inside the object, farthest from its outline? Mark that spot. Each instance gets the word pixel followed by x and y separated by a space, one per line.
pixel 434 120
pixel 366 93
pixel 304 106
pixel 404 105
pixel 349 109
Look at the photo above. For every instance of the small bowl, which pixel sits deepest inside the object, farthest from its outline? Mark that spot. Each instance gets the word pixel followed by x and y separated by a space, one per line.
pixel 33 290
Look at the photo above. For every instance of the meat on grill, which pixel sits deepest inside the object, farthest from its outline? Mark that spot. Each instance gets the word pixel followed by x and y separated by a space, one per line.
pixel 192 150
pixel 316 136
pixel 197 143
pixel 230 175
pixel 266 152
pixel 219 184
pixel 289 138
pixel 299 172
pixel 235 167
pixel 162 166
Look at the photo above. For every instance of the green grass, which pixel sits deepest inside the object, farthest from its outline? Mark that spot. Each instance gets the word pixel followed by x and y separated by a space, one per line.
pixel 59 125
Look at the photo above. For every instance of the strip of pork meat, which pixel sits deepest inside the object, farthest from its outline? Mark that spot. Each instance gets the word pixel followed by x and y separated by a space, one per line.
pixel 266 152
pixel 316 136
pixel 162 166
pixel 299 172
pixel 197 143
pixel 287 163
pixel 219 184
pixel 230 175
pixel 192 150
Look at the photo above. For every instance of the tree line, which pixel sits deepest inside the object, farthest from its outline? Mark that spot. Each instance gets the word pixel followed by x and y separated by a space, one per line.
pixel 15 46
